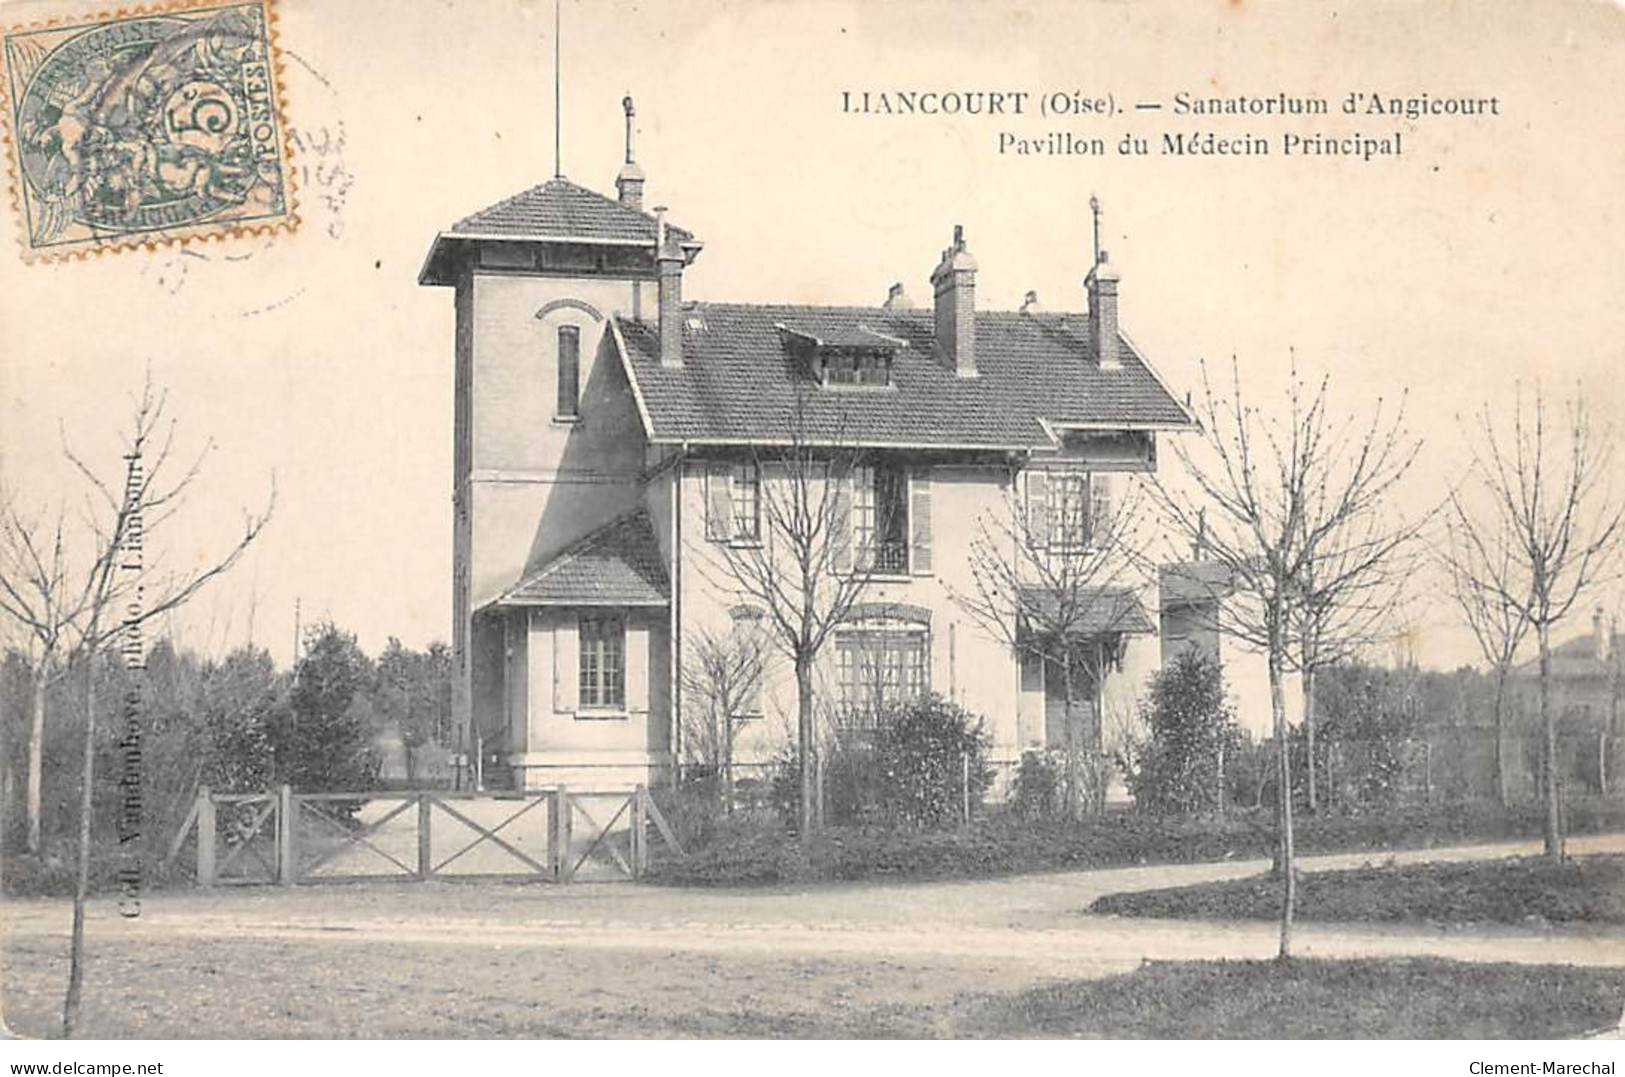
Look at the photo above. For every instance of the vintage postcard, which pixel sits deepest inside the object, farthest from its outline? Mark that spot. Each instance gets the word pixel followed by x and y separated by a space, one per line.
pixel 802 519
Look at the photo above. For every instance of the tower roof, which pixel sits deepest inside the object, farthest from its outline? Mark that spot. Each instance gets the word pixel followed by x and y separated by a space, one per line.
pixel 557 211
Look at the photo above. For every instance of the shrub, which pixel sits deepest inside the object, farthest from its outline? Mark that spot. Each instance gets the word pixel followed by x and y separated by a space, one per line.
pixel 1177 769
pixel 1036 793
pixel 930 755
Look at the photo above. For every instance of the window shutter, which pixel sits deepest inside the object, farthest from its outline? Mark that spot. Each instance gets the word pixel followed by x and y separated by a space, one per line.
pixel 1100 509
pixel 637 666
pixel 718 501
pixel 1037 509
pixel 841 522
pixel 919 510
pixel 566 665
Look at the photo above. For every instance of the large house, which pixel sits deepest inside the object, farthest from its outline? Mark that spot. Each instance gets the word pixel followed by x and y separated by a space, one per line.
pixel 610 439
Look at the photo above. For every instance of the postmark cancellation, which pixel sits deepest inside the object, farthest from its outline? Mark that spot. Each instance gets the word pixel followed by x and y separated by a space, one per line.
pixel 152 125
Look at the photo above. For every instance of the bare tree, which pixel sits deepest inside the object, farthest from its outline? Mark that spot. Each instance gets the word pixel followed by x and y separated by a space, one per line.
pixel 723 674
pixel 1498 625
pixel 1053 577
pixel 1544 531
pixel 74 610
pixel 806 566
pixel 1278 491
pixel 1351 586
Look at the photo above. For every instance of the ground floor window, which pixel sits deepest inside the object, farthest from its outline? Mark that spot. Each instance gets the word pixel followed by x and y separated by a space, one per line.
pixel 878 668
pixel 603 661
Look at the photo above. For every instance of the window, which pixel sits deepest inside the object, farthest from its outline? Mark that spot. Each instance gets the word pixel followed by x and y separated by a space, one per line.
pixel 747 502
pixel 569 372
pixel 1064 508
pixel 603 661
pixel 1069 510
pixel 880 519
pixel 857 368
pixel 878 667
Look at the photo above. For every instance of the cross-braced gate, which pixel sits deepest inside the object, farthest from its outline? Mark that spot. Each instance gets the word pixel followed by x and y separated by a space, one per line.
pixel 550 834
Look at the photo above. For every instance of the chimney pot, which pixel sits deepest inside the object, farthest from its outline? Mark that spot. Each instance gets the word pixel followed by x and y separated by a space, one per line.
pixel 629 184
pixel 897 299
pixel 669 262
pixel 1102 287
pixel 954 285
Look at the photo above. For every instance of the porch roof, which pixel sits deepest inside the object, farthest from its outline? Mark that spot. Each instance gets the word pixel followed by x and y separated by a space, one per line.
pixel 617 565
pixel 1097 611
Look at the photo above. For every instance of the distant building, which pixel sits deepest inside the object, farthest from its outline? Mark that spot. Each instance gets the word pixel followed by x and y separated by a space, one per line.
pixel 1588 679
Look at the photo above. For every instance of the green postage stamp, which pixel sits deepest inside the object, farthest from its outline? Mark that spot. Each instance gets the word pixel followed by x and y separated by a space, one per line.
pixel 155 125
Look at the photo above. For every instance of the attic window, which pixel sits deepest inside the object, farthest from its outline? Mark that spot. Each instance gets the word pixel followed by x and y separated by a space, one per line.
pixel 856 357
pixel 856 368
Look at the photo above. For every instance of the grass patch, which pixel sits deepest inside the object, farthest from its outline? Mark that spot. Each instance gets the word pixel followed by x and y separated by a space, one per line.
pixel 756 850
pixel 155 989
pixel 1417 998
pixel 1588 890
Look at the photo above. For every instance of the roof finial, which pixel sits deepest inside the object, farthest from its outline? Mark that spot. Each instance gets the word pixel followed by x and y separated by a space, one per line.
pixel 626 103
pixel 558 121
pixel 1094 209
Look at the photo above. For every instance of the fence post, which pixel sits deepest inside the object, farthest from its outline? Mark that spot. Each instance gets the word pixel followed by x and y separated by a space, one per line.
pixel 284 836
pixel 1602 763
pixel 1427 772
pixel 205 836
pixel 964 784
pixel 425 853
pixel 640 846
pixel 562 813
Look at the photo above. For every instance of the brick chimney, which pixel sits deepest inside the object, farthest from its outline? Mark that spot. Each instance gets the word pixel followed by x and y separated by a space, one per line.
pixel 954 282
pixel 669 263
pixel 629 184
pixel 897 299
pixel 1102 286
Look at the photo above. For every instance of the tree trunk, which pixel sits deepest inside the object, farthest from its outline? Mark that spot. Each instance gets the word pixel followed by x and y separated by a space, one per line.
pixel 1548 722
pixel 81 886
pixel 728 764
pixel 805 736
pixel 1308 677
pixel 1288 866
pixel 1502 792
pixel 36 754
pixel 1074 792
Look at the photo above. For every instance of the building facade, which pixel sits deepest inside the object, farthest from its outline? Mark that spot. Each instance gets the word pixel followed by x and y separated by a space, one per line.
pixel 618 448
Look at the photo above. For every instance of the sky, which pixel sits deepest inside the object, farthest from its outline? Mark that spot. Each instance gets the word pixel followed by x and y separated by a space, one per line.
pixel 1486 255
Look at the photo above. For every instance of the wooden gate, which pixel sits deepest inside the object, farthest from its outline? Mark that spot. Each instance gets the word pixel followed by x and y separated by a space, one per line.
pixel 296 838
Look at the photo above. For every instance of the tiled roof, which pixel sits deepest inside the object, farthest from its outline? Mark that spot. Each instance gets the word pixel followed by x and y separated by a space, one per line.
pixel 1577 658
pixel 738 381
pixel 1098 610
pixel 617 565
pixel 561 209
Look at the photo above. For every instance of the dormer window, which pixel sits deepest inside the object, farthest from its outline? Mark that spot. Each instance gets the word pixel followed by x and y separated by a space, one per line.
pixel 857 357
pixel 857 368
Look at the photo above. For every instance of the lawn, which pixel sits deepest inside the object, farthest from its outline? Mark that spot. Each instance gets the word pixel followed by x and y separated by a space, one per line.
pixel 1416 998
pixel 238 988
pixel 1582 890
pixel 756 851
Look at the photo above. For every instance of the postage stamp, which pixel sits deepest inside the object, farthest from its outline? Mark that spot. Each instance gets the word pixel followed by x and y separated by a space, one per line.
pixel 154 125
